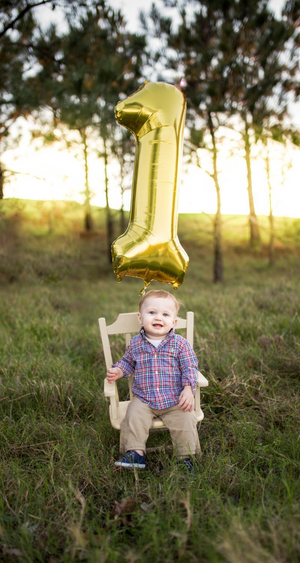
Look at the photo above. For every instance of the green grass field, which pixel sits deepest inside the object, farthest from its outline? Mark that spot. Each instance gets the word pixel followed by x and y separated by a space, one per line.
pixel 62 499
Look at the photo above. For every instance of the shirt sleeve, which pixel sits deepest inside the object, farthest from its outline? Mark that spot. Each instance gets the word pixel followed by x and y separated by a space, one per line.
pixel 127 363
pixel 188 364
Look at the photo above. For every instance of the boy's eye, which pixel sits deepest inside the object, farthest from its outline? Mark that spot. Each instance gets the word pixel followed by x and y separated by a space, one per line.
pixel 166 314
pixel 151 312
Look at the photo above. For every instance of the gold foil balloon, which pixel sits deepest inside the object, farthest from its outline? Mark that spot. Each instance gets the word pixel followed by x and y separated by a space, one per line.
pixel 149 248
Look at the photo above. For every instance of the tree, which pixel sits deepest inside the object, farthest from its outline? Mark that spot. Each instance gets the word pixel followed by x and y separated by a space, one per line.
pixel 291 13
pixel 230 54
pixel 272 135
pixel 14 11
pixel 195 50
pixel 84 74
pixel 256 71
pixel 19 53
pixel 123 147
pixel 14 62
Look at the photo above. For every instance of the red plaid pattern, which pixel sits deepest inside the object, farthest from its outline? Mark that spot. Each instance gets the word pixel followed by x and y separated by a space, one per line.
pixel 160 373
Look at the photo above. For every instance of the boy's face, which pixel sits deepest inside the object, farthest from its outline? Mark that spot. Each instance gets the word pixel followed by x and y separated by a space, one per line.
pixel 157 316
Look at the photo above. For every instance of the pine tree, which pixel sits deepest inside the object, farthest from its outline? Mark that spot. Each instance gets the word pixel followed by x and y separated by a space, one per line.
pixel 82 77
pixel 194 50
pixel 230 54
pixel 14 62
pixel 123 147
pixel 256 71
pixel 19 53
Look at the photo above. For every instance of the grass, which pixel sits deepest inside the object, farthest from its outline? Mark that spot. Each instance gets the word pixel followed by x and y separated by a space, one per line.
pixel 61 498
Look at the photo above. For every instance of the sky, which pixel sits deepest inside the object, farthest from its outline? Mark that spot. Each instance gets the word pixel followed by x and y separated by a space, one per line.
pixel 59 174
pixel 131 9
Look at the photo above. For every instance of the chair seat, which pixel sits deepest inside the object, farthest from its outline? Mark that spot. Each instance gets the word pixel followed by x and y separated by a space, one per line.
pixel 156 425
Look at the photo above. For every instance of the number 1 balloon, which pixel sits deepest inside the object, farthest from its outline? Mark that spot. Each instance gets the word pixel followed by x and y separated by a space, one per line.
pixel 149 248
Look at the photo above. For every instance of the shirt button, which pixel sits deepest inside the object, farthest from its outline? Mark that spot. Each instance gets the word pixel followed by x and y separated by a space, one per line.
pixel 156 373
pixel 157 388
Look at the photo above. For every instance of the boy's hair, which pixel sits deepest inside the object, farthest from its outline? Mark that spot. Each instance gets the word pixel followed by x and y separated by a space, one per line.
pixel 159 293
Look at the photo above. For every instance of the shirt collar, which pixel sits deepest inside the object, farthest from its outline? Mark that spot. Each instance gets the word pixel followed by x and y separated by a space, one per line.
pixel 166 339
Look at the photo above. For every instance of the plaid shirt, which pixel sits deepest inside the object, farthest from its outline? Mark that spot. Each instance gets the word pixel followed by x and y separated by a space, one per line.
pixel 161 373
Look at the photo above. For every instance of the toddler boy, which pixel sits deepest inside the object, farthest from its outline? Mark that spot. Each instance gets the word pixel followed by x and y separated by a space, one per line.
pixel 165 371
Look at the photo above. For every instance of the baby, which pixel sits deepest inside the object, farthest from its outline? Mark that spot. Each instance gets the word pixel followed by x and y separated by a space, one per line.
pixel 165 371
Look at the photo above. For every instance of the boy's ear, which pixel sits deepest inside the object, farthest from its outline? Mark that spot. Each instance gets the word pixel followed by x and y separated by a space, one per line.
pixel 140 318
pixel 175 321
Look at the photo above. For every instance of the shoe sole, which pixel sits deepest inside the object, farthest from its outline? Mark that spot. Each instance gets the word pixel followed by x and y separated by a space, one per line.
pixel 130 465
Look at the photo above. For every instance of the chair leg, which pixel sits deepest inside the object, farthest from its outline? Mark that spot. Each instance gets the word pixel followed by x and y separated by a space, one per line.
pixel 198 446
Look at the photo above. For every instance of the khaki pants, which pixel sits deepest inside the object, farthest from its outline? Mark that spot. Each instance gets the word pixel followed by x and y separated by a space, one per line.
pixel 138 421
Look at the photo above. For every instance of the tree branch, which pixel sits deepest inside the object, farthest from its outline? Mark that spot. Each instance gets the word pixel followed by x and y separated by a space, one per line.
pixel 193 148
pixel 21 14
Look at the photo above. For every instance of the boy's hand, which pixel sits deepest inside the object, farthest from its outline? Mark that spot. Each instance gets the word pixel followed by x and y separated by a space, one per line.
pixel 186 399
pixel 113 374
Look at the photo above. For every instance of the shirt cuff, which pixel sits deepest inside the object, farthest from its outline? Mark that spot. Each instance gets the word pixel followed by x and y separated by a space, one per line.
pixel 122 366
pixel 193 384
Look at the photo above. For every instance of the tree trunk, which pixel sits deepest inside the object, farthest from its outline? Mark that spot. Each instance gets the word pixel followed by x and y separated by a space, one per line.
pixel 218 253
pixel 109 219
pixel 1 181
pixel 122 217
pixel 253 224
pixel 271 216
pixel 88 219
pixel 122 213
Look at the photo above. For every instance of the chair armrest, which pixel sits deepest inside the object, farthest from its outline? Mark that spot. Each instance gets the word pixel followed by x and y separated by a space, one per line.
pixel 201 380
pixel 109 388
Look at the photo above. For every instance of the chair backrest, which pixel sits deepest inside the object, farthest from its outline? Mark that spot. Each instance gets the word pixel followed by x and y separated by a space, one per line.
pixel 128 324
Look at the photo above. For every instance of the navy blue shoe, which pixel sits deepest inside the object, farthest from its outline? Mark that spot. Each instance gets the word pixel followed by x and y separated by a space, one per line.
pixel 131 459
pixel 188 464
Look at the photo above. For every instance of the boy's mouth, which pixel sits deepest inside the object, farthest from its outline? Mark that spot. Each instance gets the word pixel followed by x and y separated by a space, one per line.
pixel 157 325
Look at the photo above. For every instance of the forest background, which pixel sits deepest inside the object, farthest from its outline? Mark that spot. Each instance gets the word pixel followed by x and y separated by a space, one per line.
pixel 237 64
pixel 61 498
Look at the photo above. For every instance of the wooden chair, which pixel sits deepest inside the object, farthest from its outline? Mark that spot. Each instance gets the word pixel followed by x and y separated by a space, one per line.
pixel 127 324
